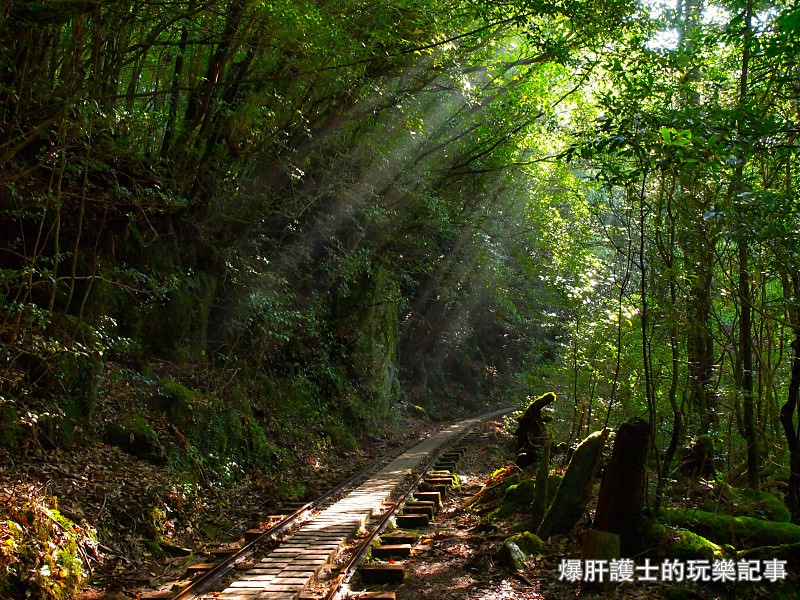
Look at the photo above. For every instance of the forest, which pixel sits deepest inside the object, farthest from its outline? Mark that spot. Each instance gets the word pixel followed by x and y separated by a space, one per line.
pixel 233 229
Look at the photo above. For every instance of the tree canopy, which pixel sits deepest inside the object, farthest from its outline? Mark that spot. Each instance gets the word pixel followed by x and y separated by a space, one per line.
pixel 353 209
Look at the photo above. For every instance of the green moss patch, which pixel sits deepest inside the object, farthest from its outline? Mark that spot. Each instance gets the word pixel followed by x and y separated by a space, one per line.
pixel 528 542
pixel 342 437
pixel 682 544
pixel 136 436
pixel 41 551
pixel 739 531
pixel 517 497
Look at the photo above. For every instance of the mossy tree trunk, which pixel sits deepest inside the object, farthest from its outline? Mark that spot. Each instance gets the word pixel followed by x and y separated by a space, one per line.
pixel 788 421
pixel 532 434
pixel 619 505
pixel 539 504
pixel 573 493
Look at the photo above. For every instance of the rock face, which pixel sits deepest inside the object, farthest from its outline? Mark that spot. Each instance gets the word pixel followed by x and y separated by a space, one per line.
pixel 377 344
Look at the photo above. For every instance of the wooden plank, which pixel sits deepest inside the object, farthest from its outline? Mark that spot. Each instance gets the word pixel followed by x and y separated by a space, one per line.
pixel 382 573
pixel 253 534
pixel 386 551
pixel 399 537
pixel 411 521
pixel 434 497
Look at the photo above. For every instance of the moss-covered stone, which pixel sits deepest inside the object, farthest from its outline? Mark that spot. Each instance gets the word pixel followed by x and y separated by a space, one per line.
pixel 573 493
pixel 134 435
pixel 517 548
pixel 723 497
pixel 517 497
pixel 530 543
pixel 520 493
pixel 342 437
pixel 176 400
pixel 764 505
pixel 788 552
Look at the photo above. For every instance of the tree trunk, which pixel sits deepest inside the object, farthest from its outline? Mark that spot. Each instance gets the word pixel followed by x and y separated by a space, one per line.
pixel 745 296
pixel 619 505
pixel 539 504
pixel 790 430
pixel 573 493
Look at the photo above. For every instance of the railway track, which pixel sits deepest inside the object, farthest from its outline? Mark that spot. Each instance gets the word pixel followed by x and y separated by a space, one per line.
pixel 284 561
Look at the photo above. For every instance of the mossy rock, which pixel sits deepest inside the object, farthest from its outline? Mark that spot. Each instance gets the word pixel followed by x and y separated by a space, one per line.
pixel 528 542
pixel 174 399
pixel 738 531
pixel 746 502
pixel 135 436
pixel 573 493
pixel 342 437
pixel 682 544
pixel 517 497
pixel 517 548
pixel 520 493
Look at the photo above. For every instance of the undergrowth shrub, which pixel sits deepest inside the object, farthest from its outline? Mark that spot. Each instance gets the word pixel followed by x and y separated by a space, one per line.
pixel 43 554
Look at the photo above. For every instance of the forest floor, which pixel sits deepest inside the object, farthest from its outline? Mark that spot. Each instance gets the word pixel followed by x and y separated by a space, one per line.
pixel 100 487
pixel 151 526
pixel 459 557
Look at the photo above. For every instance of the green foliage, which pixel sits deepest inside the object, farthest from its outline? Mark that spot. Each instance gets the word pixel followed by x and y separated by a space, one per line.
pixel 175 400
pixel 10 428
pixel 764 505
pixel 42 552
pixel 746 502
pixel 219 440
pixel 517 497
pixel 418 206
